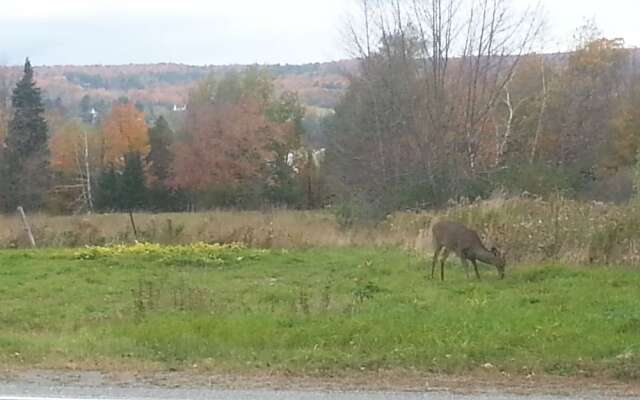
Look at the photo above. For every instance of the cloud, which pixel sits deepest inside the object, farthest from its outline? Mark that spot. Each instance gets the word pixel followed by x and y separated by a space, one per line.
pixel 187 31
pixel 222 32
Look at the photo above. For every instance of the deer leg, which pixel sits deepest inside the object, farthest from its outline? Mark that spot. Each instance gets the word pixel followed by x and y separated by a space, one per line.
pixel 475 266
pixel 435 259
pixel 443 258
pixel 465 264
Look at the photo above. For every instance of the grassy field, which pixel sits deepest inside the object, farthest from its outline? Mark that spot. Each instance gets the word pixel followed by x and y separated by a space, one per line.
pixel 313 311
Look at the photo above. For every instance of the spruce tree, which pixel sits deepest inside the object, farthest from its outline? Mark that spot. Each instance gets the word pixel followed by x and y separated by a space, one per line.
pixel 160 156
pixel 133 190
pixel 107 187
pixel 26 156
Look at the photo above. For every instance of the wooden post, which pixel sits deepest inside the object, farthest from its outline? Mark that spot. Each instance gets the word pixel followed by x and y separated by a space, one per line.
pixel 133 224
pixel 27 228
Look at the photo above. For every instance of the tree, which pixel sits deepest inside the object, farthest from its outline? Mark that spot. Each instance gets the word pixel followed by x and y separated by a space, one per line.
pixel 287 186
pixel 287 108
pixel 26 152
pixel 74 158
pixel 5 98
pixel 584 101
pixel 518 118
pixel 625 132
pixel 226 144
pixel 124 131
pixel 160 156
pixel 159 162
pixel 418 115
pixel 123 191
pixel 107 190
pixel 229 139
pixel 132 187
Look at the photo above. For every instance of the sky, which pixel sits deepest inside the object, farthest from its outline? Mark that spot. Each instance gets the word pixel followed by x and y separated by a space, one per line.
pixel 199 32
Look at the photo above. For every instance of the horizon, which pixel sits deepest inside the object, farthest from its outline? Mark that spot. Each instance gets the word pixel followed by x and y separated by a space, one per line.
pixel 342 60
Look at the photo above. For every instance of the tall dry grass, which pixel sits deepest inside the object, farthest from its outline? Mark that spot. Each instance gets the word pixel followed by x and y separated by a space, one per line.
pixel 531 230
pixel 282 229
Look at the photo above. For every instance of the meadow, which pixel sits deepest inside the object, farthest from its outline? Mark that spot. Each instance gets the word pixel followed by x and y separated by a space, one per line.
pixel 315 311
pixel 531 230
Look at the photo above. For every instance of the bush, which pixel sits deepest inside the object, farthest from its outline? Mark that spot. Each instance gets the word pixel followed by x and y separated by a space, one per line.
pixel 358 211
pixel 540 179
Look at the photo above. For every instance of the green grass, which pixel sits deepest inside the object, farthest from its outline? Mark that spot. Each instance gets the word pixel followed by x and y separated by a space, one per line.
pixel 313 311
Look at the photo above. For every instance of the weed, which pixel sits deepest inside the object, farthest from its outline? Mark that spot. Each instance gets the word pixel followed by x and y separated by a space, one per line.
pixel 326 295
pixel 303 301
pixel 365 291
pixel 143 299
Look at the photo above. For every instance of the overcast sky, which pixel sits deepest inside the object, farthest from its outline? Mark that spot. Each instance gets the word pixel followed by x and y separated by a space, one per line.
pixel 229 31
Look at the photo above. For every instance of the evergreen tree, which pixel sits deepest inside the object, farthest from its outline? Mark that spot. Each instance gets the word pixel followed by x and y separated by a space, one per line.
pixel 160 155
pixel 159 160
pixel 133 190
pixel 26 156
pixel 107 187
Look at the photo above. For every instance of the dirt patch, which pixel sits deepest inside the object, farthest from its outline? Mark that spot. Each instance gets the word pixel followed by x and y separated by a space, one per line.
pixel 408 381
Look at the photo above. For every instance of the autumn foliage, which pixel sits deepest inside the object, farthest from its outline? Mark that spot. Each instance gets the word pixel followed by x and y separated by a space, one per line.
pixel 124 131
pixel 413 129
pixel 67 146
pixel 226 144
pixel 230 138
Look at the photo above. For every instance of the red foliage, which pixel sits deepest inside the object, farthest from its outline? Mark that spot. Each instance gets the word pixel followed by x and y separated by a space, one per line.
pixel 226 144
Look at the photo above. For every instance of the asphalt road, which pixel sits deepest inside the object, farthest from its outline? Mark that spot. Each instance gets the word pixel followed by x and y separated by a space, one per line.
pixel 19 391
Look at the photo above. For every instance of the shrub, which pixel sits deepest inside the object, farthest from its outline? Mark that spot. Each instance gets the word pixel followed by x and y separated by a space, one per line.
pixel 539 179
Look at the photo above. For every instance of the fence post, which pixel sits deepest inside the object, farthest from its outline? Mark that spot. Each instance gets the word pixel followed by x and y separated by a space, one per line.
pixel 133 224
pixel 27 228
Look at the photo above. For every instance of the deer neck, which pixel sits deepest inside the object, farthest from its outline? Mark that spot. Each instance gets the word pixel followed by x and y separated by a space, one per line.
pixel 485 256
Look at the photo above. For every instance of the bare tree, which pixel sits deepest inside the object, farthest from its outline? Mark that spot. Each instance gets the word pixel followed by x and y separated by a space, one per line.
pixel 432 74
pixel 543 108
pixel 494 42
pixel 84 172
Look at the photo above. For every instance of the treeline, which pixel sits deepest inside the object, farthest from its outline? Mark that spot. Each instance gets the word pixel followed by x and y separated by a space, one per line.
pixel 430 116
pixel 133 81
pixel 420 126
pixel 233 149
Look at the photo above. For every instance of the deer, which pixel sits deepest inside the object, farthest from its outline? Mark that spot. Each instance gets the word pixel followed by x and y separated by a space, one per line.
pixel 450 236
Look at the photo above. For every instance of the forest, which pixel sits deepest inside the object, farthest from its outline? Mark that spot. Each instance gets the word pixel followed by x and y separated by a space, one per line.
pixel 436 105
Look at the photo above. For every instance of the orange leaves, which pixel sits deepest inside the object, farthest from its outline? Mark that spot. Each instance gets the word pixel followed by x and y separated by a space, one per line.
pixel 65 143
pixel 226 144
pixel 124 130
pixel 597 57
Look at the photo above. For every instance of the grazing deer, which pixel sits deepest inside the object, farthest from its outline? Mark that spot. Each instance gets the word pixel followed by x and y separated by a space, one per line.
pixel 455 237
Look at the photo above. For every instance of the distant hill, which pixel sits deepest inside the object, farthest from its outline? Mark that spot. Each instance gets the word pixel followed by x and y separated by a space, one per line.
pixel 160 87
pixel 319 85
